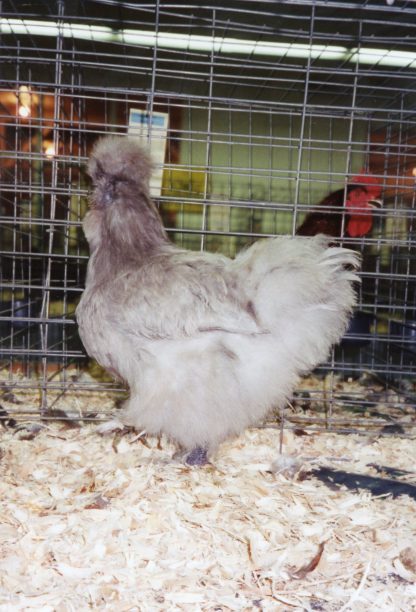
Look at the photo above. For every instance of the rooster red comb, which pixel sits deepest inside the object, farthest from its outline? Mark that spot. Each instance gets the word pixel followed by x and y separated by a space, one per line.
pixel 371 183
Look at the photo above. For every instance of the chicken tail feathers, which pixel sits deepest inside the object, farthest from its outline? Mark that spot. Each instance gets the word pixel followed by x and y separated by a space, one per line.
pixel 306 293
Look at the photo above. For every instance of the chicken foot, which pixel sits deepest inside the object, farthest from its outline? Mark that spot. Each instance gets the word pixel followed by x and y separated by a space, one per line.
pixel 198 456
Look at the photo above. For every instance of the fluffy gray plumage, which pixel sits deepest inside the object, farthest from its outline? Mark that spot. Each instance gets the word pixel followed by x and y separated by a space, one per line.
pixel 207 345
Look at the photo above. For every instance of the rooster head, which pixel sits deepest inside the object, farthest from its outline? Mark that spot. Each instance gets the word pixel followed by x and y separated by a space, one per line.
pixel 363 196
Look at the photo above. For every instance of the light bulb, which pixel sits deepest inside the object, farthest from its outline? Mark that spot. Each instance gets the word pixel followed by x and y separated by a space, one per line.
pixel 50 151
pixel 24 111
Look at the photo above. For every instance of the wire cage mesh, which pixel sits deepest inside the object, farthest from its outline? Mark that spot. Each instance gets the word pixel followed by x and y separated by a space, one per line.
pixel 270 106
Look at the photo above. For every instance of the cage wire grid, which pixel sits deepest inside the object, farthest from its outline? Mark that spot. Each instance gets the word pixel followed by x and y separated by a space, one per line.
pixel 271 106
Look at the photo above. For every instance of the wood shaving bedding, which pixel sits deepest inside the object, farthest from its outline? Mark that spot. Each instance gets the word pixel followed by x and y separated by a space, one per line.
pixel 87 523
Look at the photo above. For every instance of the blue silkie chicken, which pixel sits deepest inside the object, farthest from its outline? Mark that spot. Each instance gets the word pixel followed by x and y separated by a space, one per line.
pixel 208 345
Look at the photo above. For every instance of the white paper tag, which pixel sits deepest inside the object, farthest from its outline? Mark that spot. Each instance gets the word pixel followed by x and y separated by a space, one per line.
pixel 152 132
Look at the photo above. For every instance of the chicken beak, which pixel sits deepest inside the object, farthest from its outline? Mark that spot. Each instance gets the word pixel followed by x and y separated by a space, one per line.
pixel 375 203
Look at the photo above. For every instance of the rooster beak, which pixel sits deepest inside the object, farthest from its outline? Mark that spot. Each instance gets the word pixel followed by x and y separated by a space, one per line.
pixel 375 203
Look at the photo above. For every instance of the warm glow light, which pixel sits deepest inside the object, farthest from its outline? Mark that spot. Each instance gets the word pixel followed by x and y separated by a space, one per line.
pixel 24 112
pixel 25 101
pixel 50 151
pixel 207 44
pixel 414 171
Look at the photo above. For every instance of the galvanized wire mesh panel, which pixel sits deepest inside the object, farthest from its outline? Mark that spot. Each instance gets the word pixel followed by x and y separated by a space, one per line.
pixel 271 105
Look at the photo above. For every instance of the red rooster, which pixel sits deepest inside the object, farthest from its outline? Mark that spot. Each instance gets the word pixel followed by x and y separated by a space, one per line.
pixel 360 198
